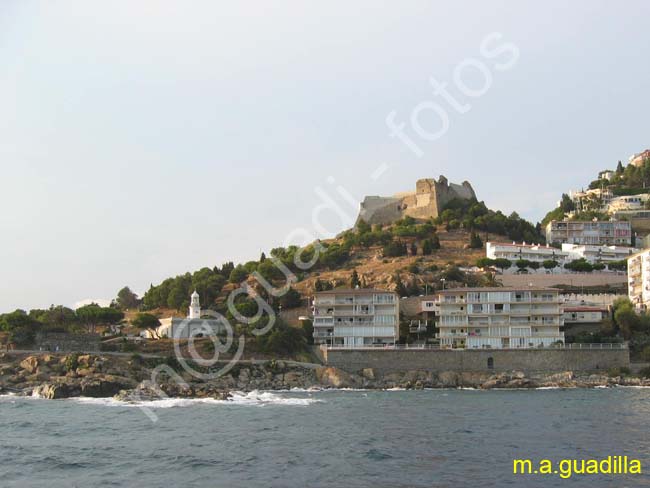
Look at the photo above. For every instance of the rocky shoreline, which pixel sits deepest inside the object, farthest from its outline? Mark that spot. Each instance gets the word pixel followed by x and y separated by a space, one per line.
pixel 52 376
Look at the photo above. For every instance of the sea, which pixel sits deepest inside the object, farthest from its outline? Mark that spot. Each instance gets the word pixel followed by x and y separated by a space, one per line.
pixel 330 438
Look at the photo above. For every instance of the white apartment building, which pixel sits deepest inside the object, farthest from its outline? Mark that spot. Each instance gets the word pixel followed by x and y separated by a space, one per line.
pixel 638 276
pixel 500 317
pixel 356 317
pixel 597 254
pixel 569 252
pixel 628 202
pixel 583 314
pixel 531 252
pixel 598 232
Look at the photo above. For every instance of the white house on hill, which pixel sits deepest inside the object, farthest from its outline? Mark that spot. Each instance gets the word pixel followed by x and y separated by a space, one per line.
pixel 191 326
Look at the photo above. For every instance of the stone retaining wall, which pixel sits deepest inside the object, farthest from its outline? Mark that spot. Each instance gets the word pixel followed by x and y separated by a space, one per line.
pixel 437 360
pixel 64 342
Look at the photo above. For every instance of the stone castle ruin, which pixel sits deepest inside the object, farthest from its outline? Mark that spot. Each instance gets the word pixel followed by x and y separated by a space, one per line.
pixel 428 200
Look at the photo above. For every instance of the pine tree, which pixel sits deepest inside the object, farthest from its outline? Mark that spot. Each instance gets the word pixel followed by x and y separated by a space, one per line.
pixel 435 242
pixel 318 285
pixel 400 289
pixel 354 280
pixel 414 249
pixel 475 241
pixel 619 168
pixel 427 247
pixel 262 257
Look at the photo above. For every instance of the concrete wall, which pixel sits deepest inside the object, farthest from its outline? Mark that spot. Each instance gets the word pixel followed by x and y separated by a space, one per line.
pixel 436 360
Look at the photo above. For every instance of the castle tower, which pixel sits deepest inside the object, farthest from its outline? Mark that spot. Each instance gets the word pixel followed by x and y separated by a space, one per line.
pixel 195 306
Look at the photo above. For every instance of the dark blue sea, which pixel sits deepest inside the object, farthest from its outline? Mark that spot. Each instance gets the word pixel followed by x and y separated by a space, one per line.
pixel 433 438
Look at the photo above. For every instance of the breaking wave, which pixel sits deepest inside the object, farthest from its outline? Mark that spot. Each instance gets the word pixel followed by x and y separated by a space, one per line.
pixel 253 398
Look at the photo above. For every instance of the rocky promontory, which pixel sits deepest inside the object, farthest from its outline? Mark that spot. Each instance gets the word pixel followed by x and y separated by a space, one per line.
pixel 129 378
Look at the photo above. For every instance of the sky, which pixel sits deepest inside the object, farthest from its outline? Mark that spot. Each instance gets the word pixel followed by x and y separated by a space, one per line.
pixel 140 140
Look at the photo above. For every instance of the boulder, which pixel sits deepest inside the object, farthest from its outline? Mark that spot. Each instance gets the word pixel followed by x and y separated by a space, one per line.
pixel 98 388
pixel 334 377
pixel 448 379
pixel 55 391
pixel 293 379
pixel 368 373
pixel 30 364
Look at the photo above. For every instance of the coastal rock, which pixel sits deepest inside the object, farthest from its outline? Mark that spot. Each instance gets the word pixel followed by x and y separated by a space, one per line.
pixel 334 377
pixel 55 391
pixel 293 379
pixel 98 388
pixel 30 364
pixel 472 379
pixel 448 379
pixel 368 373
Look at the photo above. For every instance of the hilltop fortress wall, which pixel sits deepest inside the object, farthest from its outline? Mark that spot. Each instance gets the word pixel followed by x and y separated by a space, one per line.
pixel 428 200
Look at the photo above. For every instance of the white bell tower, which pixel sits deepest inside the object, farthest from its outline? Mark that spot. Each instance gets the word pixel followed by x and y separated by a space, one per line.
pixel 195 306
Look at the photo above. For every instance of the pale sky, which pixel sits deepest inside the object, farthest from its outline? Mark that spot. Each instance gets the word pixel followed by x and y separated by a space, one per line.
pixel 143 139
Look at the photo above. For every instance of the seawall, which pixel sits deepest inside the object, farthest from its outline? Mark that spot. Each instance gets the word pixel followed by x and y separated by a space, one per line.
pixel 439 360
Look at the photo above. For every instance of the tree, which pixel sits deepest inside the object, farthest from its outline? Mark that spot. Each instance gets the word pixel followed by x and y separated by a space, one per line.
pixel 262 257
pixel 626 320
pixel 522 263
pixel 502 263
pixel 93 315
pixel 426 247
pixel 147 321
pixel 475 241
pixel 238 274
pixel 579 265
pixel 20 326
pixel 57 317
pixel 308 331
pixel 619 169
pixel 394 249
pixel 363 227
pixel 291 299
pixel 550 264
pixel 126 299
pixel 435 242
pixel 354 279
pixel 414 249
pixel 400 289
pixel 485 262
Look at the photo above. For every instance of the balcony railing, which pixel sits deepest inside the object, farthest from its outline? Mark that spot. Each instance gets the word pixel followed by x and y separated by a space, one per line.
pixel 392 347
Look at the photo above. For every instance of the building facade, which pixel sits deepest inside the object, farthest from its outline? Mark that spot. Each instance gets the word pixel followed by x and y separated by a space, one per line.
pixel 476 318
pixel 584 314
pixel 356 317
pixel 531 252
pixel 191 326
pixel 598 232
pixel 638 276
pixel 569 252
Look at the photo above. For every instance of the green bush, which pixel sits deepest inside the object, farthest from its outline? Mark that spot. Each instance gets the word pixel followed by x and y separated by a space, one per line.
pixel 645 372
pixel 72 362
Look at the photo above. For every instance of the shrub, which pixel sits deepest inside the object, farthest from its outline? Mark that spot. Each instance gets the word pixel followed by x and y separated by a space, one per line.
pixel 129 347
pixel 72 362
pixel 394 249
pixel 645 372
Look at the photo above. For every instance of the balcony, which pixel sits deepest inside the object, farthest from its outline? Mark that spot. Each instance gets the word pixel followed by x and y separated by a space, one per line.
pixel 417 327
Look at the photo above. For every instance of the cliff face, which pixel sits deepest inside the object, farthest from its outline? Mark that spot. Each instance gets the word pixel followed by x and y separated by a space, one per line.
pixel 428 200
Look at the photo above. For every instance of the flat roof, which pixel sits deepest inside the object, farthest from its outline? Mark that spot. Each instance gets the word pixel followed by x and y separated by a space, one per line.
pixel 498 288
pixel 353 291
pixel 585 309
